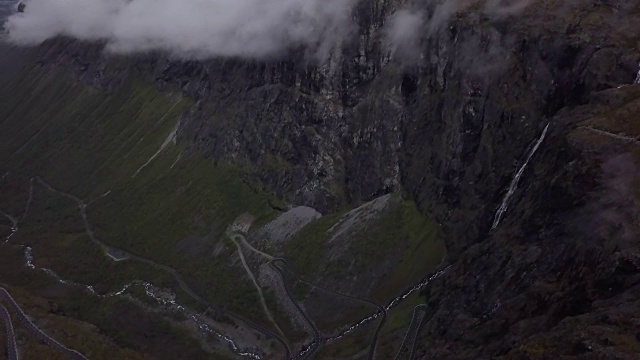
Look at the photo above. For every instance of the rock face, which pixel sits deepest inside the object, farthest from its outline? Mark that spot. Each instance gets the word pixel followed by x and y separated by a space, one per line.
pixel 287 224
pixel 450 130
pixel 561 275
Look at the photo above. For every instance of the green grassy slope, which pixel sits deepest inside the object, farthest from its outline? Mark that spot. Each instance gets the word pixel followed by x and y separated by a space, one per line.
pixel 88 142
pixel 151 197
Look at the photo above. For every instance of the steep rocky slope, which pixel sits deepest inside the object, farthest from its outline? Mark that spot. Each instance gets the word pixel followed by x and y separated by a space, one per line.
pixel 364 124
pixel 560 274
pixel 449 131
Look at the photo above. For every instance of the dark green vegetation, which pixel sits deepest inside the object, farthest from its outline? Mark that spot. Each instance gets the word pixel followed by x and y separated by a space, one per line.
pixel 88 142
pixel 155 198
pixel 307 247
pixel 399 235
pixel 443 138
pixel 76 137
pixel 54 229
pixel 94 143
pixel 86 323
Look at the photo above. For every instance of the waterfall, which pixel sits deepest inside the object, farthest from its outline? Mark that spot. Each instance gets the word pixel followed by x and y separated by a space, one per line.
pixel 421 285
pixel 514 183
pixel 638 76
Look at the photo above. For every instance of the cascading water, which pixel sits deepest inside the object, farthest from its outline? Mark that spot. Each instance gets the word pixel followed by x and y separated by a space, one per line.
pixel 514 183
pixel 368 319
pixel 638 76
pixel 150 289
pixel 14 225
pixel 153 292
pixel 392 304
pixel 160 296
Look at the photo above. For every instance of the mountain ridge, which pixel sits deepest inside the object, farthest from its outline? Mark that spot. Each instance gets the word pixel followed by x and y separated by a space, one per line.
pixel 448 134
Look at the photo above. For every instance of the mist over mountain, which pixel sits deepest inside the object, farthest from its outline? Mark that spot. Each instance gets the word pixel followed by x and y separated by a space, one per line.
pixel 7 7
pixel 242 28
pixel 307 179
pixel 190 28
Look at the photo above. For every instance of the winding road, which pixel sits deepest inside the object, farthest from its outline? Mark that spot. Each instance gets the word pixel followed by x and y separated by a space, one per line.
pixel 381 310
pixel 306 353
pixel 13 220
pixel 178 278
pixel 633 140
pixel 12 348
pixel 263 302
pixel 412 332
pixel 316 334
pixel 24 320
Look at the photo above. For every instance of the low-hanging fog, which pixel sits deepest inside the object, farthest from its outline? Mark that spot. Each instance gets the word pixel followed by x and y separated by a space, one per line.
pixel 189 28
pixel 242 28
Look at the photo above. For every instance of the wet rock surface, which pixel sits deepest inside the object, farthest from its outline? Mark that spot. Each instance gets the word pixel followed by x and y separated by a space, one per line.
pixel 560 275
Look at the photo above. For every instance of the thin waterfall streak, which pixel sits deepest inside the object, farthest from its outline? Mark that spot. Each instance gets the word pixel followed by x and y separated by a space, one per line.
pixel 514 183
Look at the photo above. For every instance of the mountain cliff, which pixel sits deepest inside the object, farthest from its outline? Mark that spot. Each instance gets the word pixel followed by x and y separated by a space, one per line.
pixel 531 112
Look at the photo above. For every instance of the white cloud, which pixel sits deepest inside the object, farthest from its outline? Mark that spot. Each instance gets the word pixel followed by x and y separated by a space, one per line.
pixel 406 28
pixel 505 7
pixel 188 28
pixel 402 33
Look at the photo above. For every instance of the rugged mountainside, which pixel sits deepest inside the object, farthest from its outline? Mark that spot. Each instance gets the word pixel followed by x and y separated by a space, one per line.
pixel 362 124
pixel 557 276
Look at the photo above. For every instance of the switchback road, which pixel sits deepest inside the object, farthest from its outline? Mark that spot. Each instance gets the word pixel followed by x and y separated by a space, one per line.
pixel 412 332
pixel 179 279
pixel 312 326
pixel 12 348
pixel 381 309
pixel 26 322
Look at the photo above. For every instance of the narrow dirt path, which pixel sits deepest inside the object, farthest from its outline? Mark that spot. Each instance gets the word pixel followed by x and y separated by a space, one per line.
pixel 622 137
pixel 238 239
pixel 265 308
pixel 381 309
pixel 13 220
pixel 179 279
pixel 316 334
pixel 247 244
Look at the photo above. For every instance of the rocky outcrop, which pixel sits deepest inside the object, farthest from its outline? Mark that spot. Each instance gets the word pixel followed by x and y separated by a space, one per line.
pixel 560 277
pixel 449 130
